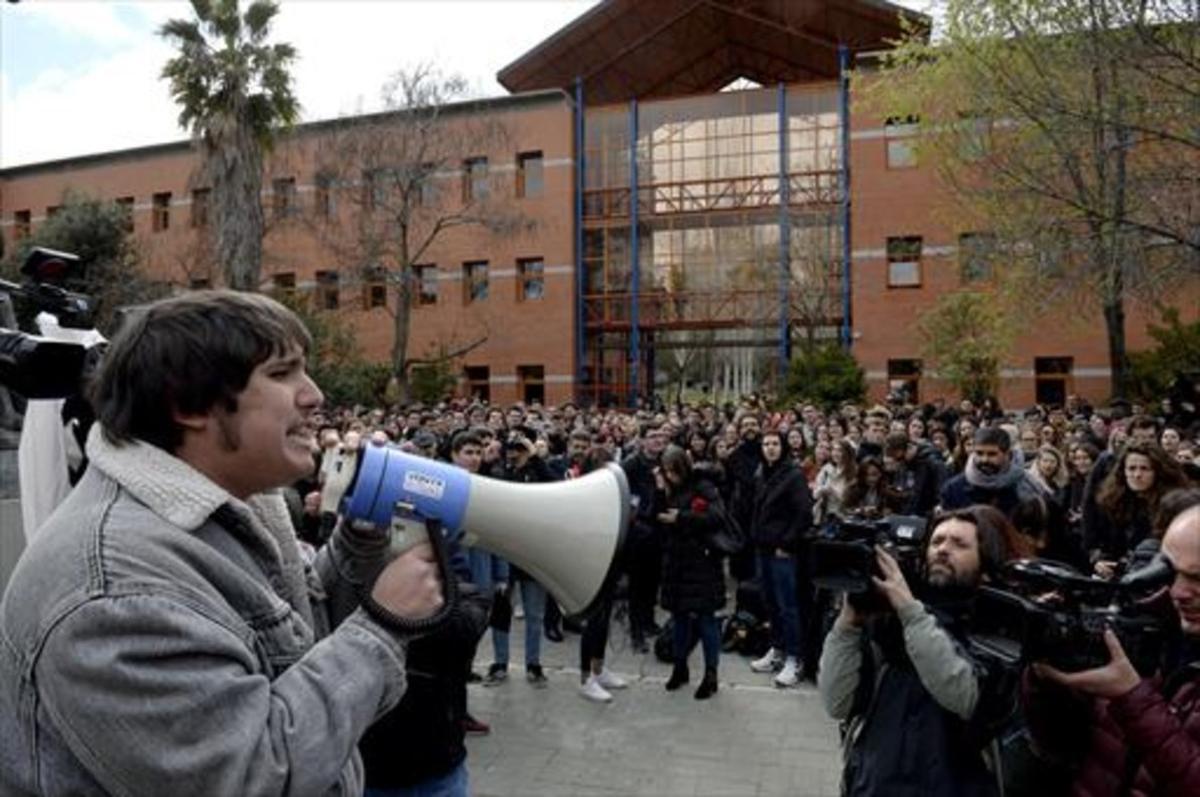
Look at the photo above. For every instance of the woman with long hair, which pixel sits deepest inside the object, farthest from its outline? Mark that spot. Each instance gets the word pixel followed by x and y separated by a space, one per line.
pixel 868 494
pixel 834 478
pixel 1127 500
pixel 693 583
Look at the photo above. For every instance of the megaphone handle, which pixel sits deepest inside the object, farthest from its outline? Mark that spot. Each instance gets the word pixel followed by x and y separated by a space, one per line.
pixel 433 529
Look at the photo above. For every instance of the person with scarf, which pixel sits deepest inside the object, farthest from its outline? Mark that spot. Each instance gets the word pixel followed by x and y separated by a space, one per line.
pixel 995 475
pixel 782 517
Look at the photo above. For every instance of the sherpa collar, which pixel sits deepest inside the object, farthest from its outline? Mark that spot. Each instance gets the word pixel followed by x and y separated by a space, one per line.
pixel 185 497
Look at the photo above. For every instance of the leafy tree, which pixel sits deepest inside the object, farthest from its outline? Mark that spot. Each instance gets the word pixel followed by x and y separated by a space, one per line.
pixel 826 374
pixel 1177 351
pixel 387 199
pixel 1069 132
pixel 97 232
pixel 966 337
pixel 234 91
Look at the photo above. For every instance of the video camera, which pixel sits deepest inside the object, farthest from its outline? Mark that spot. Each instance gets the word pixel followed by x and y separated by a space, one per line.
pixel 1047 611
pixel 843 557
pixel 36 367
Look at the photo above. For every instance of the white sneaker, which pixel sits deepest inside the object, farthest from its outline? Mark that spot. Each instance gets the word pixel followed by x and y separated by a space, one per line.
pixel 593 691
pixel 789 675
pixel 769 662
pixel 610 680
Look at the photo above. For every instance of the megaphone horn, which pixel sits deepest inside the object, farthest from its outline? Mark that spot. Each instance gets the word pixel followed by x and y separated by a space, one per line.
pixel 567 535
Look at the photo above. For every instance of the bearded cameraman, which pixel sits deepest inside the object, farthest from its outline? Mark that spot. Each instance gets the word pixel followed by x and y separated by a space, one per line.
pixel 916 706
pixel 1121 733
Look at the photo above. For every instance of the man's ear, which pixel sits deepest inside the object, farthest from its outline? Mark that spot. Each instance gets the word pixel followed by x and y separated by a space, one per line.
pixel 191 421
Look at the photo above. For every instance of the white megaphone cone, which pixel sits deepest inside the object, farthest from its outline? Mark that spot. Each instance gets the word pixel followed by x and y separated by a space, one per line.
pixel 566 535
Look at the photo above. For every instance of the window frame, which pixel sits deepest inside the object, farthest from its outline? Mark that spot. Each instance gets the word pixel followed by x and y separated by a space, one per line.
pixel 160 214
pixel 523 161
pixel 525 279
pixel 471 282
pixel 897 257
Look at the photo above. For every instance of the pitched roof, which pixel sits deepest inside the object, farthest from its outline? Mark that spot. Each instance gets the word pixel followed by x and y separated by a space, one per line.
pixel 624 49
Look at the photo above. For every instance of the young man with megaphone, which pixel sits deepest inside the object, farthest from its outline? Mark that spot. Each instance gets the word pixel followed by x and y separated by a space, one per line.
pixel 163 627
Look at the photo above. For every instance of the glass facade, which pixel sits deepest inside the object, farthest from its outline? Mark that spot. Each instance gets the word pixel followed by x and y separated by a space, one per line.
pixel 713 272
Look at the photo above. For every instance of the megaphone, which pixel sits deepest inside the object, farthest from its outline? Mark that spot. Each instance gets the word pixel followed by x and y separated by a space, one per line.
pixel 568 535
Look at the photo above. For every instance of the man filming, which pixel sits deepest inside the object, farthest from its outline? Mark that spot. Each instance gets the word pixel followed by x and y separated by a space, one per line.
pixel 1124 733
pixel 162 632
pixel 916 704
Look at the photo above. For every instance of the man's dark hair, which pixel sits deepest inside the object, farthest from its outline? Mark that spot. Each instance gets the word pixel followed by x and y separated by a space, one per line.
pixel 1143 422
pixel 465 437
pixel 992 530
pixel 993 436
pixel 896 442
pixel 187 354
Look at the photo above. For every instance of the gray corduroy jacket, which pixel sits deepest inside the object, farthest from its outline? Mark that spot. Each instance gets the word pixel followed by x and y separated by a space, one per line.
pixel 160 636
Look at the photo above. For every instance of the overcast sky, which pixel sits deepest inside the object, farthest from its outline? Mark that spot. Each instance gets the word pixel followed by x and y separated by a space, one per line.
pixel 82 76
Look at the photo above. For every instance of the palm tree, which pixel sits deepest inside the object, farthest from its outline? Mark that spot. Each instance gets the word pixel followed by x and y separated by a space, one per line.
pixel 235 94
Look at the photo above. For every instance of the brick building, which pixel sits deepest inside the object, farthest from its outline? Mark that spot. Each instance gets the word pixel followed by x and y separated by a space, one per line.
pixel 769 206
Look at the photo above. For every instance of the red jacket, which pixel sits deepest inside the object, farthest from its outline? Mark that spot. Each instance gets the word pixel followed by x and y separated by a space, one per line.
pixel 1163 736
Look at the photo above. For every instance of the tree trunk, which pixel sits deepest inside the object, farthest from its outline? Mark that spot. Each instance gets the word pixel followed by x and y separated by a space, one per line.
pixel 1114 323
pixel 400 332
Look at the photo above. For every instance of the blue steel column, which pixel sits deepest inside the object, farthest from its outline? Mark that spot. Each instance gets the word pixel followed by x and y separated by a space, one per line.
pixel 785 237
pixel 635 354
pixel 580 269
pixel 844 186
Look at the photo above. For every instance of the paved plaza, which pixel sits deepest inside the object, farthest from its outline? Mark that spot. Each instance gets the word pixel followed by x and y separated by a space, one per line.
pixel 749 739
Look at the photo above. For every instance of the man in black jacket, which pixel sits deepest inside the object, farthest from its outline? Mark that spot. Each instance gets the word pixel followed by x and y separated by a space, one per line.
pixel 995 475
pixel 644 549
pixel 781 520
pixel 916 471
pixel 740 467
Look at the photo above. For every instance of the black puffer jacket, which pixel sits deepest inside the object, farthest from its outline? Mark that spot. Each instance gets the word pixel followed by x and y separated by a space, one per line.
pixel 693 579
pixel 782 507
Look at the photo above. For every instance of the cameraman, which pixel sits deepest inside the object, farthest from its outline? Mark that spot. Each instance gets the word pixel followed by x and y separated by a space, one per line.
pixel 918 707
pixel 1139 735
pixel 162 632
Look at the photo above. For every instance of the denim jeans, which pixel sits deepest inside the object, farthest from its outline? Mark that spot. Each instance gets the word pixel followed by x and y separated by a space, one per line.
pixel 777 575
pixel 533 599
pixel 454 783
pixel 685 626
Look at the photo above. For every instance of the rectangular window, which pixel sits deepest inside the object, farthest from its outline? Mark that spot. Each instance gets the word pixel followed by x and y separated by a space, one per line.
pixel 323 197
pixel 283 196
pixel 976 255
pixel 22 224
pixel 427 188
pixel 374 187
pixel 328 290
pixel 125 204
pixel 531 383
pixel 475 281
pixel 200 202
pixel 1052 377
pixel 374 288
pixel 479 382
pixel 976 138
pixel 904 262
pixel 475 179
pixel 52 211
pixel 161 211
pixel 900 137
pixel 427 284
pixel 199 283
pixel 529 174
pixel 284 282
pixel 531 279
pixel 904 379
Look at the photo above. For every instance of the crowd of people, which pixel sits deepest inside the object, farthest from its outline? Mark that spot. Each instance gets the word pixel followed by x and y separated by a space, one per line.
pixel 197 609
pixel 1070 483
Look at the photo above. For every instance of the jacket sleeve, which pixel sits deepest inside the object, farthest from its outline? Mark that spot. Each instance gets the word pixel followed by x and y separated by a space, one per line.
pixel 168 693
pixel 841 664
pixel 945 672
pixel 1170 754
pixel 347 564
